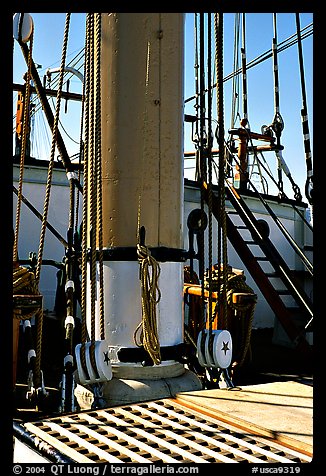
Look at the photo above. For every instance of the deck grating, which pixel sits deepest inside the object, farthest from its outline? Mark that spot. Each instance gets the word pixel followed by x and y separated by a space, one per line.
pixel 160 431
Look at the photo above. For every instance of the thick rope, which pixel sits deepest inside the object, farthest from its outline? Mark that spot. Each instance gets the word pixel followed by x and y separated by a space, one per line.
pixel 92 197
pixel 47 194
pixel 98 157
pixel 23 148
pixel 85 195
pixel 209 184
pixel 92 189
pixel 222 236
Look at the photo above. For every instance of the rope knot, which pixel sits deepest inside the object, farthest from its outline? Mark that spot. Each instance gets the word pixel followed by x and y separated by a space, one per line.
pixel 143 253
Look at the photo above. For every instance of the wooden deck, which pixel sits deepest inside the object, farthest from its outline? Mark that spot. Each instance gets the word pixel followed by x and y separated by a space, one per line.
pixel 282 411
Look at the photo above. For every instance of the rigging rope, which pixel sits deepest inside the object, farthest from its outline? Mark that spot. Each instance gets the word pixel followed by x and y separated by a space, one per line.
pixel 277 124
pixel 91 194
pixel 23 279
pixel 85 205
pixel 264 56
pixel 222 239
pixel 47 194
pixel 26 121
pixel 92 204
pixel 235 81
pixel 209 158
pixel 98 158
pixel 149 270
pixel 244 71
pixel 202 154
pixel 304 118
pixel 196 68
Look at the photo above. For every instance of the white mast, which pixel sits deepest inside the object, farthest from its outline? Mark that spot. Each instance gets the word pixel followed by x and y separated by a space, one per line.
pixel 142 171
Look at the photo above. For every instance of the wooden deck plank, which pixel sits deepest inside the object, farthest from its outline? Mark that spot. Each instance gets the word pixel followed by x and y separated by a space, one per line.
pixel 282 411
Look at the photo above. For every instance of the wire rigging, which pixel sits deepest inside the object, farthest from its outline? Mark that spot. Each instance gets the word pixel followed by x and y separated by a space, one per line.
pixel 265 56
pixel 304 117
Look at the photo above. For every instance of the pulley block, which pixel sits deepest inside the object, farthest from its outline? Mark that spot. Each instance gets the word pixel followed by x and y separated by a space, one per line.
pixel 22 27
pixel 214 348
pixel 98 363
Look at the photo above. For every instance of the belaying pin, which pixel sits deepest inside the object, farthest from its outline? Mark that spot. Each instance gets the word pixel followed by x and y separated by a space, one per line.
pixel 103 370
pixel 216 353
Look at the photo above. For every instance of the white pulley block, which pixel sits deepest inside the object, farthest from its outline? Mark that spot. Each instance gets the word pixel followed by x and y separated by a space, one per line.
pixel 221 354
pixel 22 27
pixel 102 360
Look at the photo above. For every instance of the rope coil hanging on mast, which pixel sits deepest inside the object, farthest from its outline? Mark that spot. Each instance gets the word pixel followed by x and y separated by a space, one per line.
pixel 146 333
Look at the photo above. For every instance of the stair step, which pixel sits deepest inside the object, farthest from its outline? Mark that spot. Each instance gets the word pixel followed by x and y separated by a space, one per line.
pixel 262 258
pixel 250 242
pixel 283 292
pixel 241 227
pixel 294 309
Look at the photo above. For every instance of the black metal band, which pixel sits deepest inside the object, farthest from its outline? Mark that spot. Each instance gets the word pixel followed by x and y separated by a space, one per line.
pixel 179 352
pixel 129 253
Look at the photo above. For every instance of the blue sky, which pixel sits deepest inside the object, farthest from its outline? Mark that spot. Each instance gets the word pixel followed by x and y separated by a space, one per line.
pixel 48 34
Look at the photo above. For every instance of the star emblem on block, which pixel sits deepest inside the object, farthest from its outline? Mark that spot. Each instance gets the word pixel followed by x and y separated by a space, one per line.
pixel 106 357
pixel 225 347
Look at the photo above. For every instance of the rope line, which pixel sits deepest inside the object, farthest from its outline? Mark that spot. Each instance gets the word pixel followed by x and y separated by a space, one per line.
pixel 85 204
pixel 98 157
pixel 146 333
pixel 39 329
pixel 23 146
pixel 222 236
pixel 150 296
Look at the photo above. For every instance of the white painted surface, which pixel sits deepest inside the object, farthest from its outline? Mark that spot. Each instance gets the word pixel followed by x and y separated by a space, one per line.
pixel 122 303
pixel 24 454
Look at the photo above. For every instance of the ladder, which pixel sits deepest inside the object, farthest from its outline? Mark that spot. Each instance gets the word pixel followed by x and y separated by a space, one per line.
pixel 253 259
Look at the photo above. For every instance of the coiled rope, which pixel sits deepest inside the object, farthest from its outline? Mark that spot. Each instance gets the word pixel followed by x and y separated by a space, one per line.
pixel 150 295
pixel 24 283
